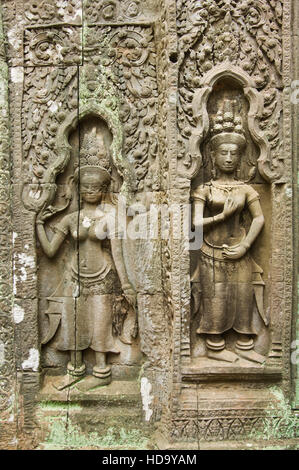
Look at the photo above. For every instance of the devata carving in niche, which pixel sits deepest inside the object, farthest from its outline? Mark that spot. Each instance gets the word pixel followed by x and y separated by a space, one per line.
pixel 84 300
pixel 227 282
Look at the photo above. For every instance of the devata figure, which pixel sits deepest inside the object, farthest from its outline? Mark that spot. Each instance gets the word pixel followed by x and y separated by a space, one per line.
pixel 227 282
pixel 84 300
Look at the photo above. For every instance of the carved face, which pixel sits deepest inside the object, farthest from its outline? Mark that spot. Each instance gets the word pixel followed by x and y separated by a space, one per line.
pixel 92 187
pixel 227 157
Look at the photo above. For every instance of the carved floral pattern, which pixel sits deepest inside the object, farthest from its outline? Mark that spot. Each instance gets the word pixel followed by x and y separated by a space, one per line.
pixel 112 10
pixel 50 94
pixel 127 55
pixel 56 46
pixel 246 34
pixel 8 11
pixel 48 11
pixel 162 79
pixel 129 52
pixel 7 360
pixel 228 428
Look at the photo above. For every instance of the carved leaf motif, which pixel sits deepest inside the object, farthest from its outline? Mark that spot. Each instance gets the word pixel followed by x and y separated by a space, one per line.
pixel 112 10
pixel 54 46
pixel 8 12
pixel 47 11
pixel 49 95
pixel 129 53
pixel 246 34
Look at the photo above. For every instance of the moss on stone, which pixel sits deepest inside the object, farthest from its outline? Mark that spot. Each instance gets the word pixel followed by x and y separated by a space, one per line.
pixel 68 436
pixel 59 405
pixel 281 421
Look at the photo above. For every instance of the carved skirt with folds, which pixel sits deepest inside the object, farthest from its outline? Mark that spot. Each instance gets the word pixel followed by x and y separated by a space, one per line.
pixel 86 312
pixel 229 291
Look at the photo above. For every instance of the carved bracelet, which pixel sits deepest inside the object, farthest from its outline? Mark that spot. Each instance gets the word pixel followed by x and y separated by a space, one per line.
pixel 245 245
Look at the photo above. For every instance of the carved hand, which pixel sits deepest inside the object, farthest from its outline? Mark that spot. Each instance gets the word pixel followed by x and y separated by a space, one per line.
pixel 235 252
pixel 196 294
pixel 230 206
pixel 44 214
pixel 130 296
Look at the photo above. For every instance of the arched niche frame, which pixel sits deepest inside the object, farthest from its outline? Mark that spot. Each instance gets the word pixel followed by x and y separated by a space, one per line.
pixel 36 200
pixel 256 109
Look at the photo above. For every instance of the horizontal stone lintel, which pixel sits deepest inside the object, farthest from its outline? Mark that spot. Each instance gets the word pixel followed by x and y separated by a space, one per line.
pixel 252 374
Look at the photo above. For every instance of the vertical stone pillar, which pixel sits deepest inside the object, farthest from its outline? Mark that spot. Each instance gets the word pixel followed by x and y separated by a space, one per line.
pixel 295 102
pixel 7 360
pixel 152 74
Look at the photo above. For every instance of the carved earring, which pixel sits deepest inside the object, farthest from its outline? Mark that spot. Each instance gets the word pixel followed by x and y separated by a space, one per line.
pixel 238 171
pixel 213 171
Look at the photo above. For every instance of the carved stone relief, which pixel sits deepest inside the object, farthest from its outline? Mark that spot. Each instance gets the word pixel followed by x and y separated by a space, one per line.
pixel 50 11
pixel 87 303
pixel 129 53
pixel 7 359
pixel 249 39
pixel 54 46
pixel 129 121
pixel 117 84
pixel 231 81
pixel 227 283
pixel 114 11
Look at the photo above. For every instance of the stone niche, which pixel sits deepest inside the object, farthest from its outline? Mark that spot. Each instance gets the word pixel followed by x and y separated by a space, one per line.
pixel 227 109
pixel 148 207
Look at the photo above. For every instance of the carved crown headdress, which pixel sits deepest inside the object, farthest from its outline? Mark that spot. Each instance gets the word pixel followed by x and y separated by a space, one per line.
pixel 227 127
pixel 94 156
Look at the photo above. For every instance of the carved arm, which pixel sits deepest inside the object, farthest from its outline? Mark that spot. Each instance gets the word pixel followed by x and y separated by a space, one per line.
pixel 198 220
pixel 255 229
pixel 257 223
pixel 49 247
pixel 117 254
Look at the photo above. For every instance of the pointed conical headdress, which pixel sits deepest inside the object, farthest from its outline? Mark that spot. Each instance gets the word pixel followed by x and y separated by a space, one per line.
pixel 227 127
pixel 94 157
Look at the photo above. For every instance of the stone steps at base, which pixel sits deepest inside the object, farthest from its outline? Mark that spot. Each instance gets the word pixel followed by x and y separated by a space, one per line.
pixel 106 417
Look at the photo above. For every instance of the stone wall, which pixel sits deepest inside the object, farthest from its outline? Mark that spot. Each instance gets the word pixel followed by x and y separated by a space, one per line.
pixel 128 126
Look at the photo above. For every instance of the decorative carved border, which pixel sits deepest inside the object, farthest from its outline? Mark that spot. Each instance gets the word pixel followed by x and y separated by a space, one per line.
pixel 282 263
pixel 286 202
pixel 95 105
pixel 52 45
pixel 295 371
pixel 232 427
pixel 7 359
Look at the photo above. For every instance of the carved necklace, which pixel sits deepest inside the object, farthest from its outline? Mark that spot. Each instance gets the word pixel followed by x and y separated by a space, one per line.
pixel 93 218
pixel 227 186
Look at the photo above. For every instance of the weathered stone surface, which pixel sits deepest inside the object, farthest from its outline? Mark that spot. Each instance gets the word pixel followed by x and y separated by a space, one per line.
pixel 121 123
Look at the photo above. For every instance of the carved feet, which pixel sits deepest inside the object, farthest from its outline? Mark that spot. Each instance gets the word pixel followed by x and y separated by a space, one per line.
pixel 74 374
pixel 251 356
pixel 223 355
pixel 76 369
pixel 91 382
pixel 65 382
pixel 244 349
pixel 101 376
